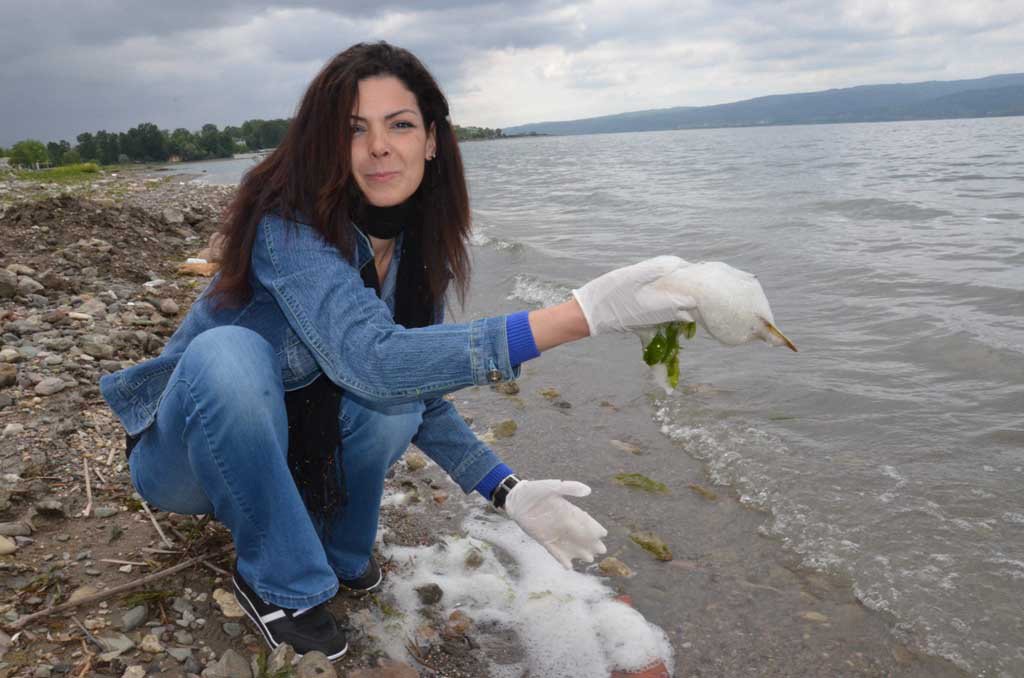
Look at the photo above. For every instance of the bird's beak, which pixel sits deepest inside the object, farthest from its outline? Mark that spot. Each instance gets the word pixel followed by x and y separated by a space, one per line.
pixel 774 331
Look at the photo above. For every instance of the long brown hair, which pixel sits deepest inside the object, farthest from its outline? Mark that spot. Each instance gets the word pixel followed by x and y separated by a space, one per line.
pixel 308 177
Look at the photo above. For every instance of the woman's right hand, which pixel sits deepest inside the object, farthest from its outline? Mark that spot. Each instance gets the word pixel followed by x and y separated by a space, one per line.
pixel 629 298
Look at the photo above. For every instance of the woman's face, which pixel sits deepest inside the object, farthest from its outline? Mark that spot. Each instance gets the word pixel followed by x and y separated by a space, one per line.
pixel 390 144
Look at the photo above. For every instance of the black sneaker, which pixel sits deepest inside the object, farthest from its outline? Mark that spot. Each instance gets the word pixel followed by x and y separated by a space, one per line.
pixel 306 629
pixel 366 582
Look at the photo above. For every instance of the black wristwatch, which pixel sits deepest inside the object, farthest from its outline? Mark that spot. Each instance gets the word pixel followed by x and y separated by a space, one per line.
pixel 501 491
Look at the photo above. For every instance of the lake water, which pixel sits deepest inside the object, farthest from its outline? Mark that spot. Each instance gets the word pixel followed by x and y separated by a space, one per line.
pixel 890 450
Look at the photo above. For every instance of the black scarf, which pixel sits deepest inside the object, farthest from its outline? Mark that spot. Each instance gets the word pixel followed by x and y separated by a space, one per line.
pixel 313 411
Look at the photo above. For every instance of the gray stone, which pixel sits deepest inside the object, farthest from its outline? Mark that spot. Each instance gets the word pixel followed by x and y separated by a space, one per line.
pixel 150 643
pixel 8 375
pixel 52 507
pixel 50 386
pixel 7 546
pixel 10 355
pixel 182 654
pixel 93 307
pixel 96 345
pixel 5 400
pixel 183 638
pixel 18 529
pixel 134 618
pixel 430 594
pixel 233 629
pixel 414 461
pixel 315 665
pixel 173 216
pixel 104 511
pixel 21 269
pixel 280 659
pixel 115 642
pixel 474 558
pixel 8 284
pixel 182 605
pixel 191 665
pixel 43 671
pixel 28 352
pixel 230 665
pixel 27 285
pixel 168 307
pixel 12 430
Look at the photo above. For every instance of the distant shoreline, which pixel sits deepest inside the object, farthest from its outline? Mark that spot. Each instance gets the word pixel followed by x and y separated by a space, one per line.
pixel 991 97
pixel 758 125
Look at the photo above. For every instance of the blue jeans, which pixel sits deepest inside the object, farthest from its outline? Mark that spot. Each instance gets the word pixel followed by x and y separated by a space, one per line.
pixel 219 445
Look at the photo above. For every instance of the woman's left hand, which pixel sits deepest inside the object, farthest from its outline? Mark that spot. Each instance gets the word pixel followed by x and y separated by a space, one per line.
pixel 565 530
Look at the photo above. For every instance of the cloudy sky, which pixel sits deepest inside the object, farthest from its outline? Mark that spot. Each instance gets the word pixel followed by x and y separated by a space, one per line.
pixel 68 66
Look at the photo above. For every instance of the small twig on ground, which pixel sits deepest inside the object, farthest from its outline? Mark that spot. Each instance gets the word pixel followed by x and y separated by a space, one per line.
pixel 89 636
pixel 99 475
pixel 88 489
pixel 167 542
pixel 210 566
pixel 88 661
pixel 116 591
pixel 110 457
pixel 123 562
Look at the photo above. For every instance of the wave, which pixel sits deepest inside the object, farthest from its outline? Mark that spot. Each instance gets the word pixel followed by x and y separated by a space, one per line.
pixel 479 238
pixel 538 292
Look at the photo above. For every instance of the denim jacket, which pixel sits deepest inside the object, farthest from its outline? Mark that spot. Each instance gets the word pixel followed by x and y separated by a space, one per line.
pixel 311 305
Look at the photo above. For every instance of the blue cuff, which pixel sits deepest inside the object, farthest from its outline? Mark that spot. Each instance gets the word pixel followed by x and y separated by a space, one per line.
pixel 521 346
pixel 490 482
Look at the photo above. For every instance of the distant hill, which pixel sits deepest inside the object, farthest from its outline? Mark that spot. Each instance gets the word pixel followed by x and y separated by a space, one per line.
pixel 995 95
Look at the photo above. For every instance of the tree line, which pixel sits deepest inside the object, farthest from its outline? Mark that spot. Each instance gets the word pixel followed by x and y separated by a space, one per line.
pixel 148 143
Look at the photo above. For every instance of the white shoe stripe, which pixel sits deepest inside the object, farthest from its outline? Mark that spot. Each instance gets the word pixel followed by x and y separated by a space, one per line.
pixel 273 616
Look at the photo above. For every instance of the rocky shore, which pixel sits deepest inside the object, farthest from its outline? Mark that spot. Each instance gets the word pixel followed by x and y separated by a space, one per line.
pixel 90 283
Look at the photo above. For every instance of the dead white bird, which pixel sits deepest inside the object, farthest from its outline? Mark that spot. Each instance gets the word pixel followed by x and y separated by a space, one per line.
pixel 727 302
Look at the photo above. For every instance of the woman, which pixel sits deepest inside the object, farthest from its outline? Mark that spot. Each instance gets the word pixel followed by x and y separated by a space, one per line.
pixel 316 355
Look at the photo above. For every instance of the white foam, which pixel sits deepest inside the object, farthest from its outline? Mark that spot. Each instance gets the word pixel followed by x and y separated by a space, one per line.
pixel 536 292
pixel 478 238
pixel 1014 518
pixel 569 624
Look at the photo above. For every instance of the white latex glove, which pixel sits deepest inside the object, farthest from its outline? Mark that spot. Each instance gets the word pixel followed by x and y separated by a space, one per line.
pixel 628 297
pixel 565 530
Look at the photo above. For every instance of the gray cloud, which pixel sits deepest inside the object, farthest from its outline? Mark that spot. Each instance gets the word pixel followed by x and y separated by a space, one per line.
pixel 110 64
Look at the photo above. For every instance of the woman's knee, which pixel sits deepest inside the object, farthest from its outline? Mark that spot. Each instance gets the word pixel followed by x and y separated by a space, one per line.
pixel 168 489
pixel 372 436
